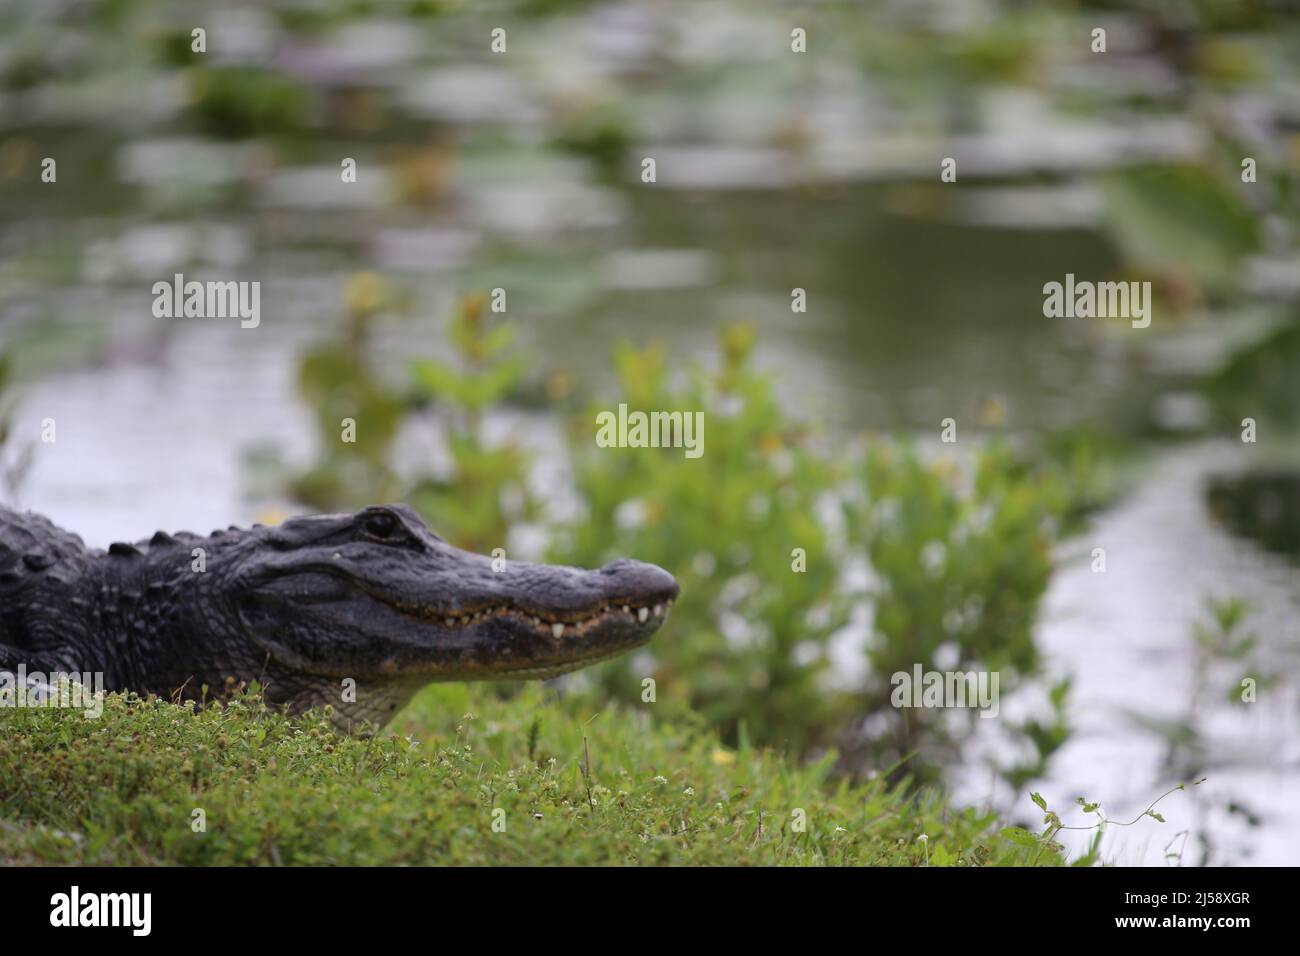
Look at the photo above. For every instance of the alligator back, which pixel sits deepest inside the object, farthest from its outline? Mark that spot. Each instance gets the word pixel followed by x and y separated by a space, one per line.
pixel 39 563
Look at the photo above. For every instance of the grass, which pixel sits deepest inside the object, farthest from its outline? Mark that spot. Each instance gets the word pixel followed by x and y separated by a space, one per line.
pixel 152 783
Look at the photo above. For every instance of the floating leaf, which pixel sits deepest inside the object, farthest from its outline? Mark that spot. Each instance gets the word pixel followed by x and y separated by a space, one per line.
pixel 1180 218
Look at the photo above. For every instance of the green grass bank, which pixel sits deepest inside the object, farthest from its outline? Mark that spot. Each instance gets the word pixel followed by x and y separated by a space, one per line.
pixel 465 777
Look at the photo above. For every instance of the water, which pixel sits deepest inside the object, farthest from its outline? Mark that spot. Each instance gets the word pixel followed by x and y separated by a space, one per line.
pixel 1125 635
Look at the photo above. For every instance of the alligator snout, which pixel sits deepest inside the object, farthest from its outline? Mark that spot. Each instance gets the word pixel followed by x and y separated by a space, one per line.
pixel 648 582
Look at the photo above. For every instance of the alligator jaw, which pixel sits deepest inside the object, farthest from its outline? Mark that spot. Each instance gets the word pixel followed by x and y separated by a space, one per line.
pixel 519 637
pixel 627 615
pixel 325 600
pixel 542 643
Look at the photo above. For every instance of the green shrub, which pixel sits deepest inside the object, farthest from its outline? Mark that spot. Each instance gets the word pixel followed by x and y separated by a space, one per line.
pixel 960 556
pixel 957 563
pixel 337 382
pixel 469 505
pixel 747 643
pixel 487 490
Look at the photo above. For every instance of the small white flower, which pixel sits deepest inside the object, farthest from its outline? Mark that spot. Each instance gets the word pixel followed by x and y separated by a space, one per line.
pixel 704 564
pixel 630 514
pixel 933 556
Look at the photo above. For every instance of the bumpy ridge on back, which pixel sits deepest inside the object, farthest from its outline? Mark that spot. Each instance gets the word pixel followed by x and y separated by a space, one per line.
pixel 31 544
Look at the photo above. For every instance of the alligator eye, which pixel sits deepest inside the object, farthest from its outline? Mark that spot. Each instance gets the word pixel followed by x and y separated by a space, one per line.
pixel 381 524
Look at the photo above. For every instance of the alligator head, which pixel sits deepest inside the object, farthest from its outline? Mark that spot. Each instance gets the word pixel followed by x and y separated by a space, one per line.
pixel 377 597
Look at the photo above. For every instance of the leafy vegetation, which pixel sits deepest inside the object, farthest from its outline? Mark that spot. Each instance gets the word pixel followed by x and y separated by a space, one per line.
pixel 762 531
pixel 1227 672
pixel 1259 381
pixel 1045 842
pixel 1180 218
pixel 959 574
pixel 487 489
pixel 337 382
pixel 152 783
pixel 739 527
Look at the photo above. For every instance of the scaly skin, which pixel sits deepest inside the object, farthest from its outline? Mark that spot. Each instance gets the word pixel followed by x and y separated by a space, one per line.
pixel 375 596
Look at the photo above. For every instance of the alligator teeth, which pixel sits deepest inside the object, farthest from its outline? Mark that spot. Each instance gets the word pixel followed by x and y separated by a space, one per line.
pixel 473 618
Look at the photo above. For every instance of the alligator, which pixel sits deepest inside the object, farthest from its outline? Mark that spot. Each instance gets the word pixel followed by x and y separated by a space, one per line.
pixel 357 611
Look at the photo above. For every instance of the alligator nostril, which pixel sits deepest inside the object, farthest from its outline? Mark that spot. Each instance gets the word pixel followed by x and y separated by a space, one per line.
pixel 648 582
pixel 671 588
